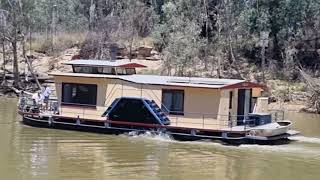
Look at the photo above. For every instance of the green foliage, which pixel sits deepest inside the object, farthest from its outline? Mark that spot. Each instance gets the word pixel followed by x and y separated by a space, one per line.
pixel 188 33
pixel 68 15
pixel 179 34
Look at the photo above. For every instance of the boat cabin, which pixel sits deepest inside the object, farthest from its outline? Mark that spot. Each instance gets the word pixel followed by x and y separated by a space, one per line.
pixel 93 85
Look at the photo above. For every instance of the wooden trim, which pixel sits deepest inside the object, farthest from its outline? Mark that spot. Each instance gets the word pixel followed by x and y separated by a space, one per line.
pixel 132 65
pixel 89 106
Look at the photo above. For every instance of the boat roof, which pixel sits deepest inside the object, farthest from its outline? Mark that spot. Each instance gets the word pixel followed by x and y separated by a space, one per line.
pixel 196 82
pixel 125 63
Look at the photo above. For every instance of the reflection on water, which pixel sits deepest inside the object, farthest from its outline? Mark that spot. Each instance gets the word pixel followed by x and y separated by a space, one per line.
pixel 36 153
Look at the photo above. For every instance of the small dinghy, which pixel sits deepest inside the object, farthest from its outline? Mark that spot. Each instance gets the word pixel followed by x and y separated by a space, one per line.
pixel 271 129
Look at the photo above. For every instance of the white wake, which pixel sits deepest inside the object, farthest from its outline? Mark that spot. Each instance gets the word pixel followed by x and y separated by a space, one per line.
pixel 306 139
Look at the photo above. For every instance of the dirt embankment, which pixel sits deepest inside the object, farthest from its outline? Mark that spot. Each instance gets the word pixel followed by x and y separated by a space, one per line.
pixel 42 65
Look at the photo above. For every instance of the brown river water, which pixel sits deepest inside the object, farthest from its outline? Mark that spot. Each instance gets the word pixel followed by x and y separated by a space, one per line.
pixel 36 153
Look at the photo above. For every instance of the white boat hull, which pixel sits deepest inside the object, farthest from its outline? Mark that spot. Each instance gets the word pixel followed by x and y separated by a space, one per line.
pixel 272 129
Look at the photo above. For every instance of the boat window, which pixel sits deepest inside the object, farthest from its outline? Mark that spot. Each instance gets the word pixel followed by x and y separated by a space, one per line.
pixel 84 69
pixel 132 110
pixel 121 71
pixel 173 101
pixel 95 70
pixel 107 70
pixel 77 69
pixel 100 70
pixel 130 71
pixel 103 70
pixel 79 94
pixel 113 71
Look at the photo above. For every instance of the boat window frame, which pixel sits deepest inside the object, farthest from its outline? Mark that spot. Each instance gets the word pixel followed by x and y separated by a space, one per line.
pixel 93 105
pixel 168 109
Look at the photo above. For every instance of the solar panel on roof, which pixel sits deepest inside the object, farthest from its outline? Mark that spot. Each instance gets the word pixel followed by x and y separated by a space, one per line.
pixel 197 82
pixel 212 82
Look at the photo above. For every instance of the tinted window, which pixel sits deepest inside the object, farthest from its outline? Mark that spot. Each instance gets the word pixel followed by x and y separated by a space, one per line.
pixel 173 101
pixel 82 94
pixel 107 70
pixel 92 70
pixel 82 69
pixel 130 71
pixel 121 71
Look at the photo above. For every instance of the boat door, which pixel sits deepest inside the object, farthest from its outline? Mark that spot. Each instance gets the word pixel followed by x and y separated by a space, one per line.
pixel 244 103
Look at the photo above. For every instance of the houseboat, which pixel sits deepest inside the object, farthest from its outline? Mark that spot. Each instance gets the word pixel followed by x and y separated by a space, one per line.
pixel 109 97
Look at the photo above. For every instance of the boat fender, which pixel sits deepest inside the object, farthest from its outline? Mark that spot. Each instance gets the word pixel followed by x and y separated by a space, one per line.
pixel 193 132
pixel 78 121
pixel 50 121
pixel 225 135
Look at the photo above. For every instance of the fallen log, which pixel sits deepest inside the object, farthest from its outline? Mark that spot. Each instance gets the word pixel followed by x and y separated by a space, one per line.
pixel 17 91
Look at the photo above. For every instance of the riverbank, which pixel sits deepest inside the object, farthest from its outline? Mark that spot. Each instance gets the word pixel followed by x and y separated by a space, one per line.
pixel 296 106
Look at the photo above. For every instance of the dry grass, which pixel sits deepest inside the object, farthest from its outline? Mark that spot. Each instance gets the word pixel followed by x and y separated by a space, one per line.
pixel 284 89
pixel 61 41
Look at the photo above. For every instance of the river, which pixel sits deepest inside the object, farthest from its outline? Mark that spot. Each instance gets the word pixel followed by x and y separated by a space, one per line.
pixel 37 153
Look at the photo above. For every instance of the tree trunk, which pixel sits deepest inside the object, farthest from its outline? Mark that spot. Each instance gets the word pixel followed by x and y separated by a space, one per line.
pixel 15 64
pixel 30 66
pixel 4 62
pixel 205 2
pixel 92 15
pixel 130 48
pixel 220 61
pixel 263 63
pixel 219 65
pixel 229 21
pixel 30 39
pixel 53 26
